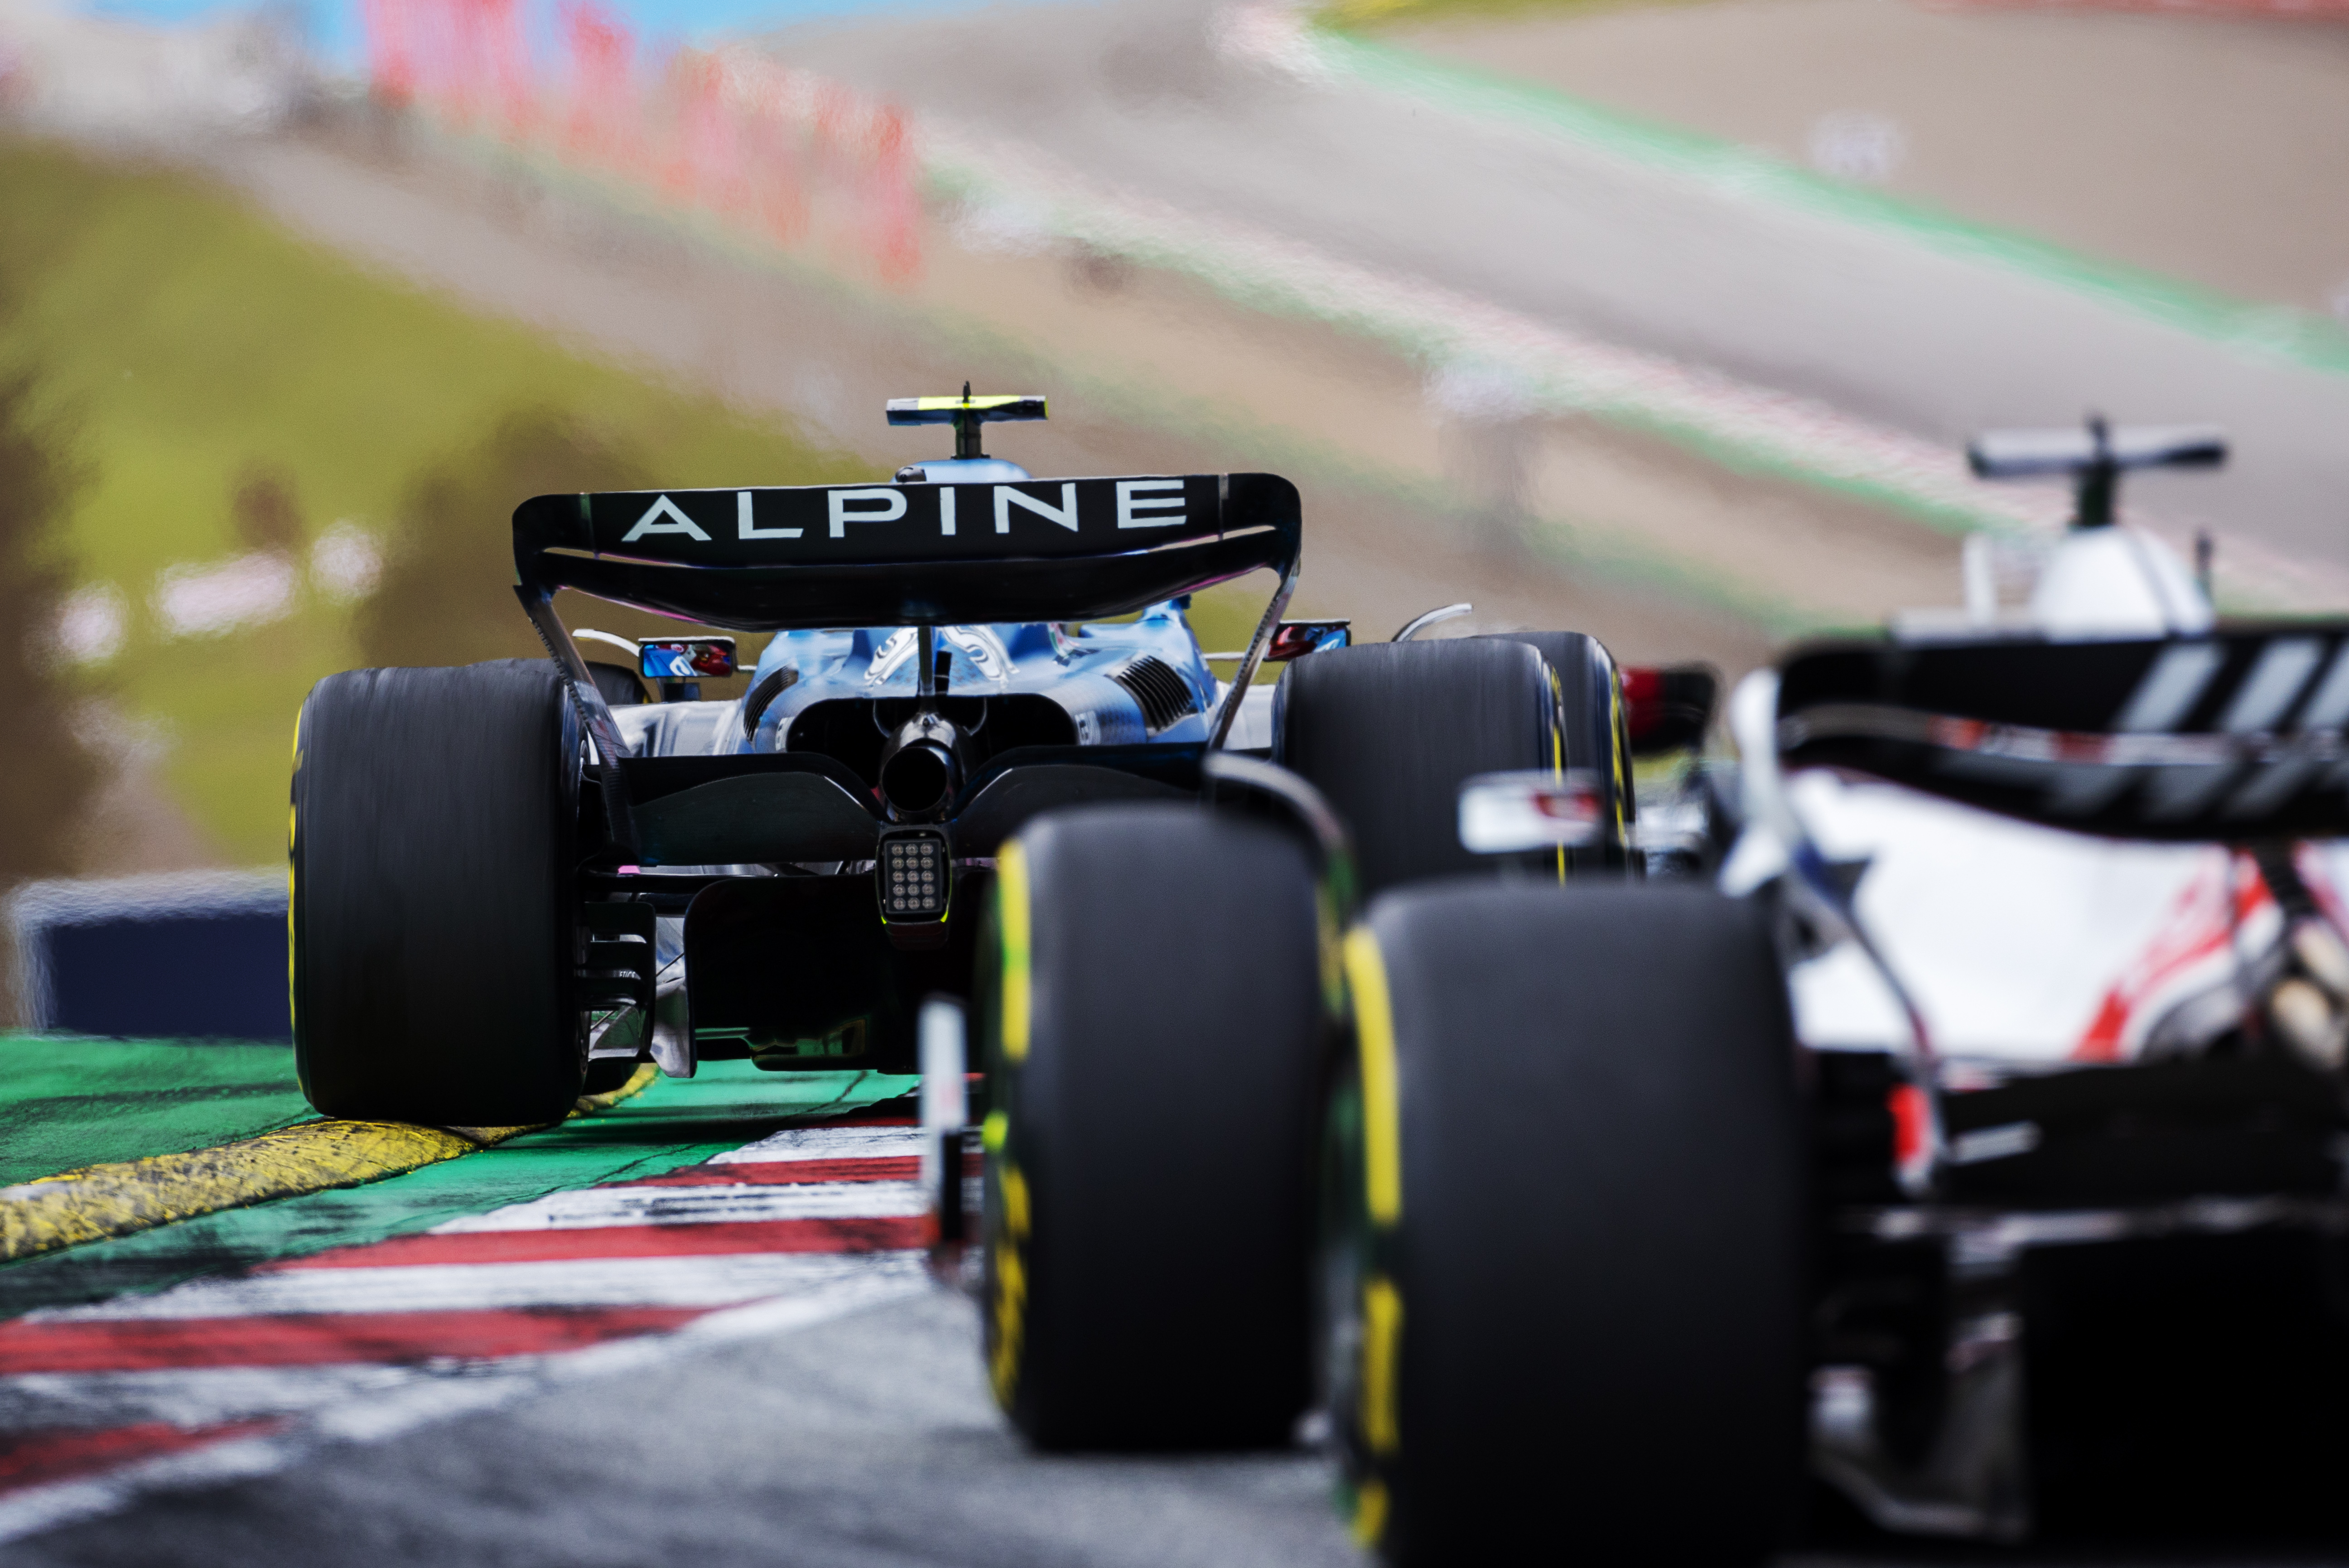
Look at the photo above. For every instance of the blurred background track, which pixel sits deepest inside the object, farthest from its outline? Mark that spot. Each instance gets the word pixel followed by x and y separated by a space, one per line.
pixel 1665 322
pixel 2200 144
pixel 1576 221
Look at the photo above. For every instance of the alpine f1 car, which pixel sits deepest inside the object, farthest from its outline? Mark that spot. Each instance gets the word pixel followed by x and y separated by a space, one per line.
pixel 514 880
pixel 1976 1146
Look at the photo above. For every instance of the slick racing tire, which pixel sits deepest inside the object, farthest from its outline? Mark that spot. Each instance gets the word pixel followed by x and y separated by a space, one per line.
pixel 1389 731
pixel 619 685
pixel 1597 733
pixel 1562 1284
pixel 605 1077
pixel 434 817
pixel 1151 1000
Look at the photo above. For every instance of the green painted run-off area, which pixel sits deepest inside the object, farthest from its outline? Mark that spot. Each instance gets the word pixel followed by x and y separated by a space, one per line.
pixel 68 1102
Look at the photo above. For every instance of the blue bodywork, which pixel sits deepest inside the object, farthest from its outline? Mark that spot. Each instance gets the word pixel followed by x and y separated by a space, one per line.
pixel 1070 666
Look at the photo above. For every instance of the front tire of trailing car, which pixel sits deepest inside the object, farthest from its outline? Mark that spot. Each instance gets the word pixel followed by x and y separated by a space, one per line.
pixel 1562 1281
pixel 1151 993
pixel 432 935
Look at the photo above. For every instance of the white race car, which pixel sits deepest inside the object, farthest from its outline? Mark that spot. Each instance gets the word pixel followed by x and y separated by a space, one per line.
pixel 1978 1147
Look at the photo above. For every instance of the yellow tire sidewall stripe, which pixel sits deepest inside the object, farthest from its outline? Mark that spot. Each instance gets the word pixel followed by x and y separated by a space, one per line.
pixel 1012 924
pixel 1378 1373
pixel 1008 1235
pixel 1369 1522
pixel 1366 976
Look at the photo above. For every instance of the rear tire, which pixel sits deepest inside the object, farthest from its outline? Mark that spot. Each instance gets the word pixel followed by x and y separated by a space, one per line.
pixel 607 1074
pixel 433 934
pixel 1581 1322
pixel 1389 731
pixel 1148 1219
pixel 1596 731
pixel 619 685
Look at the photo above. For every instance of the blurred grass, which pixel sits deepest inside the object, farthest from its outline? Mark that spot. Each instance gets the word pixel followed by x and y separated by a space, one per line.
pixel 184 342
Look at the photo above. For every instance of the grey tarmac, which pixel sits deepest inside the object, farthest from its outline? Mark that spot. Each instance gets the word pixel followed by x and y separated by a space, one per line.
pixel 866 1441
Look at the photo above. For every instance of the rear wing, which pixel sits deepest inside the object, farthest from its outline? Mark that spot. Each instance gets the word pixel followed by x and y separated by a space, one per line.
pixel 899 554
pixel 811 556
pixel 2231 737
pixel 2095 456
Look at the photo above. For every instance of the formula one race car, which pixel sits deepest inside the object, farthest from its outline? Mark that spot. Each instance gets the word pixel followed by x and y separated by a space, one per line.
pixel 513 880
pixel 1619 1242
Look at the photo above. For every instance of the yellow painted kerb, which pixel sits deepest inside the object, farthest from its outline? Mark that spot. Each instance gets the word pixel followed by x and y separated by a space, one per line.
pixel 1366 973
pixel 134 1195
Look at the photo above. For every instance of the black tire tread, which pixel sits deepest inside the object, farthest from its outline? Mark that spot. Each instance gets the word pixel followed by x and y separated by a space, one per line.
pixel 1388 731
pixel 1160 1126
pixel 434 815
pixel 1600 1250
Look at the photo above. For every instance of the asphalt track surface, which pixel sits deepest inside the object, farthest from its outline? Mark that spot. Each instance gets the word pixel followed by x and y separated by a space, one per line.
pixel 1141 100
pixel 692 1330
pixel 866 1442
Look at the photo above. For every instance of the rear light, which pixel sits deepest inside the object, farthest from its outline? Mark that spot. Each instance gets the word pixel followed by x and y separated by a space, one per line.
pixel 914 875
pixel 1912 1132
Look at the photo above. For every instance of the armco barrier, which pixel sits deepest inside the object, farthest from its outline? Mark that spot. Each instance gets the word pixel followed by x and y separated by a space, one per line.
pixel 188 956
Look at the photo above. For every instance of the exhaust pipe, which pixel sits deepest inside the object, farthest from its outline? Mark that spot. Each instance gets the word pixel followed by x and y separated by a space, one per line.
pixel 922 764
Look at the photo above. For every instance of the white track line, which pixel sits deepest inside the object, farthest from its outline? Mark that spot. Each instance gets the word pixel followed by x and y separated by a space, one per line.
pixel 598 1208
pixel 682 1282
pixel 826 1143
pixel 420 1401
pixel 189 1397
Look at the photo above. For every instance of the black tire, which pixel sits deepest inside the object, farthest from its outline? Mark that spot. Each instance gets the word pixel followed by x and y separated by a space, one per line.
pixel 1598 731
pixel 618 683
pixel 1581 1328
pixel 433 925
pixel 1388 731
pixel 607 1074
pixel 1149 1222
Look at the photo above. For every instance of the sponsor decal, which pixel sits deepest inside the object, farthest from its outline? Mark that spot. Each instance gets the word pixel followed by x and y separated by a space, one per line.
pixel 663 517
pixel 867 522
